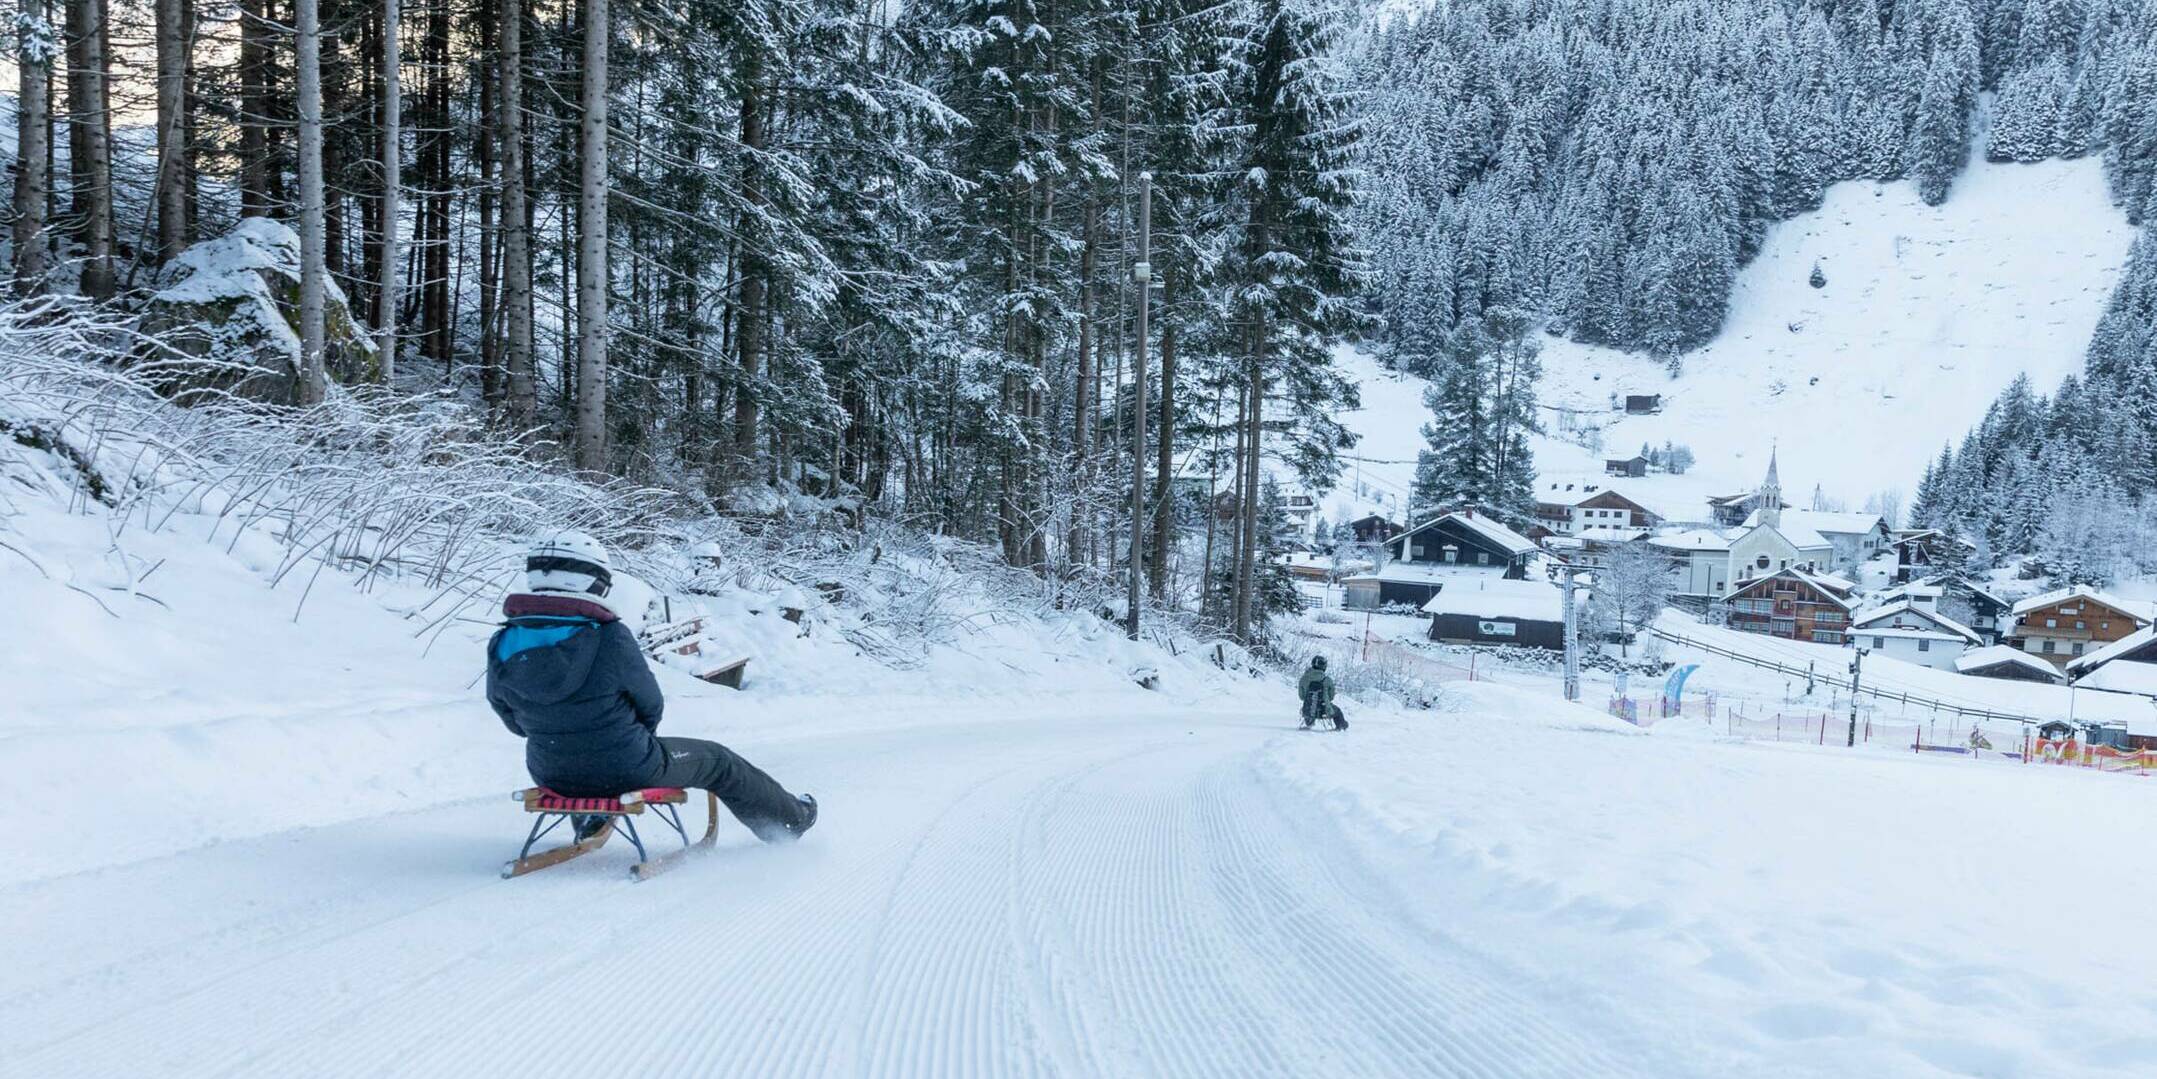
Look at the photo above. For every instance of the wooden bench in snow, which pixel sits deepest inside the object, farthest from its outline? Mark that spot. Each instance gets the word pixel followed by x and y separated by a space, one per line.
pixel 682 645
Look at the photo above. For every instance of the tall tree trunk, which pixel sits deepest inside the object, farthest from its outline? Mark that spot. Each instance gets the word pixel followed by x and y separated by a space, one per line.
pixel 749 340
pixel 437 329
pixel 313 381
pixel 190 115
pixel 254 109
pixel 33 116
pixel 516 222
pixel 171 130
pixel 392 167
pixel 1082 387
pixel 591 432
pixel 1247 511
pixel 490 240
pixel 90 143
pixel 1164 519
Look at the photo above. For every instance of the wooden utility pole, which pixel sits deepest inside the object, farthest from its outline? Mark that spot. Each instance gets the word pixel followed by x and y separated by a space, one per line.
pixel 1142 277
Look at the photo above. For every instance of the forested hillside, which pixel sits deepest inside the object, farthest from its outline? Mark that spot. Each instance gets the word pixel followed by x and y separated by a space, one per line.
pixel 1608 164
pixel 880 255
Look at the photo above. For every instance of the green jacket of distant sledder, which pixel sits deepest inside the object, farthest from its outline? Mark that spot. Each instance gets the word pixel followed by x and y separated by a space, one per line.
pixel 1315 689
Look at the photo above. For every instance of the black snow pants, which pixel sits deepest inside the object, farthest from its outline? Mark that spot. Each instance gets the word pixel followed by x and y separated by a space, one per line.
pixel 756 799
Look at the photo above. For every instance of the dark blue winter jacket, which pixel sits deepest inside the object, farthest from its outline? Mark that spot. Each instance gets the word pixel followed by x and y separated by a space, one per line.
pixel 569 678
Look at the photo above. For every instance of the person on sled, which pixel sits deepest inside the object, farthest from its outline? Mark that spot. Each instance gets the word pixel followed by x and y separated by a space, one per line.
pixel 568 677
pixel 1316 690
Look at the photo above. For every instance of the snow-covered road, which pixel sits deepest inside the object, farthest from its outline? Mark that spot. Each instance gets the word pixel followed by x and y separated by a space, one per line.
pixel 1009 896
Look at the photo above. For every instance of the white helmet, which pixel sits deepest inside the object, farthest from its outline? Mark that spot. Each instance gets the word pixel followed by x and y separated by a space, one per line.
pixel 567 561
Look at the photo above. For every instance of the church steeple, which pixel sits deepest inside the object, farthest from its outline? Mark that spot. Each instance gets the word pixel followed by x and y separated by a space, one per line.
pixel 1771 496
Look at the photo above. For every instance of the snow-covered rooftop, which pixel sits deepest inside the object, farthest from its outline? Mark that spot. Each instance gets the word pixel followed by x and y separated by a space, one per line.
pixel 2140 611
pixel 1823 521
pixel 2126 676
pixel 1511 541
pixel 2113 651
pixel 1831 587
pixel 1499 598
pixel 1977 659
pixel 1947 627
pixel 1698 539
pixel 1428 573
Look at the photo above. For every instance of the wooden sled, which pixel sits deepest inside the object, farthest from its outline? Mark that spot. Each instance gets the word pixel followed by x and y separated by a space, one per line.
pixel 555 810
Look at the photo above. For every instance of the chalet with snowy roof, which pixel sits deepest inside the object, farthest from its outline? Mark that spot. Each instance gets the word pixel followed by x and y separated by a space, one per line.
pixel 1853 538
pixel 1913 634
pixel 1730 511
pixel 2008 663
pixel 1592 548
pixel 2127 665
pixel 1700 561
pixel 1565 507
pixel 1791 603
pixel 1464 544
pixel 2065 624
pixel 1494 610
pixel 1957 597
pixel 1373 529
pixel 1635 466
pixel 1918 551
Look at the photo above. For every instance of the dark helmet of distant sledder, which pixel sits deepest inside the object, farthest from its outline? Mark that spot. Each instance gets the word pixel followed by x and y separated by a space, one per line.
pixel 567 562
pixel 1318 663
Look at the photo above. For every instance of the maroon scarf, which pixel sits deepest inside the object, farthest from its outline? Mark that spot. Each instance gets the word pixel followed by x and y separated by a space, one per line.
pixel 555 605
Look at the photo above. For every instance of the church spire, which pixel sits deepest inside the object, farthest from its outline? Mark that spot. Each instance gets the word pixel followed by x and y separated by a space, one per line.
pixel 1771 495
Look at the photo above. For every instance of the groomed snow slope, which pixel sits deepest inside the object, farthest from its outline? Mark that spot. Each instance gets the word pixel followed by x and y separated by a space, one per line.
pixel 251 845
pixel 1928 312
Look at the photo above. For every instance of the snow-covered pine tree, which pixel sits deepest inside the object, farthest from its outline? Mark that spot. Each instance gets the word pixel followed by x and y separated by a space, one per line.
pixel 1292 267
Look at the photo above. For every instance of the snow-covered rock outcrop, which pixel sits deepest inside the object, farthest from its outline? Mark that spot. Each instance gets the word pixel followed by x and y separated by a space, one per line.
pixel 233 303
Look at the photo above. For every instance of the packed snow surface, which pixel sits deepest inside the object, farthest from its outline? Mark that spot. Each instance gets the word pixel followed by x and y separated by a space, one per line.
pixel 259 836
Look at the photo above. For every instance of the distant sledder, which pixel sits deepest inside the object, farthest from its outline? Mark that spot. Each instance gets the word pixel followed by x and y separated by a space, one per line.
pixel 568 677
pixel 1315 689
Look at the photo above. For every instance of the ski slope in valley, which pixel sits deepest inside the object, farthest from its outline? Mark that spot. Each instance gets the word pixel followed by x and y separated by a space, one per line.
pixel 1927 313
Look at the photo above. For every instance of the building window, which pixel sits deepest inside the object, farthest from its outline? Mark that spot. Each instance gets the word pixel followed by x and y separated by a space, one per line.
pixel 2078 648
pixel 2052 623
pixel 2048 646
pixel 1482 559
pixel 1761 562
pixel 1452 555
pixel 1827 637
pixel 2104 625
pixel 2079 624
pixel 1879 642
pixel 1924 644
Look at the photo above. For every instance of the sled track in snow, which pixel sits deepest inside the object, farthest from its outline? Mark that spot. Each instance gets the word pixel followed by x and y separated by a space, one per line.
pixel 1034 898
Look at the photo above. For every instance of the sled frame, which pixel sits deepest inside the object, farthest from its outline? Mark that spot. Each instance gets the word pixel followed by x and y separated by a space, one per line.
pixel 621 817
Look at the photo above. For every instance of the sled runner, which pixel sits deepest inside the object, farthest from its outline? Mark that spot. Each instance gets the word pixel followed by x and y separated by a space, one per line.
pixel 555 810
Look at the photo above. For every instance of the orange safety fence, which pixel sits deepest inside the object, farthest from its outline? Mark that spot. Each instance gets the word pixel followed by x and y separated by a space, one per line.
pixel 2080 754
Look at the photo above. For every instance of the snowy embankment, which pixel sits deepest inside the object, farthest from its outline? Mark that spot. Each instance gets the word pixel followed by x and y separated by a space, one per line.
pixel 1788 910
pixel 1926 314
